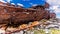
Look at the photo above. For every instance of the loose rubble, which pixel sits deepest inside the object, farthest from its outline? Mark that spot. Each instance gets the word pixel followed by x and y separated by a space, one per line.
pixel 36 26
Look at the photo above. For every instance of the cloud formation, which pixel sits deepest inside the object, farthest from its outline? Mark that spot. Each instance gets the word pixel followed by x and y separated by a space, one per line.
pixel 55 5
pixel 8 0
pixel 2 1
pixel 53 2
pixel 34 4
pixel 13 3
pixel 20 4
pixel 5 1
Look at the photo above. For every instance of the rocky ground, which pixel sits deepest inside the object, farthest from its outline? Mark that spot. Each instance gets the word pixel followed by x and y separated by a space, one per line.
pixel 51 26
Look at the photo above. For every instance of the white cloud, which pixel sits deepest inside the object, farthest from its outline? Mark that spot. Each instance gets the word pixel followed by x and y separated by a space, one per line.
pixel 13 3
pixel 53 2
pixel 20 4
pixel 8 0
pixel 55 5
pixel 3 1
pixel 34 4
pixel 56 9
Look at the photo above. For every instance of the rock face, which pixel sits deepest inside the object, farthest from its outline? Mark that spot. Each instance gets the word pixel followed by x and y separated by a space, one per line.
pixel 52 15
pixel 17 15
pixel 12 15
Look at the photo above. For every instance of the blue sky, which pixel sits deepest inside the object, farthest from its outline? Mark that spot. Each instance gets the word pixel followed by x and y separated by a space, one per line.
pixel 28 3
pixel 54 4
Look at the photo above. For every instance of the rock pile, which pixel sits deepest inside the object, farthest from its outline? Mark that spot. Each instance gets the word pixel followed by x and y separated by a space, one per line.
pixel 43 24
